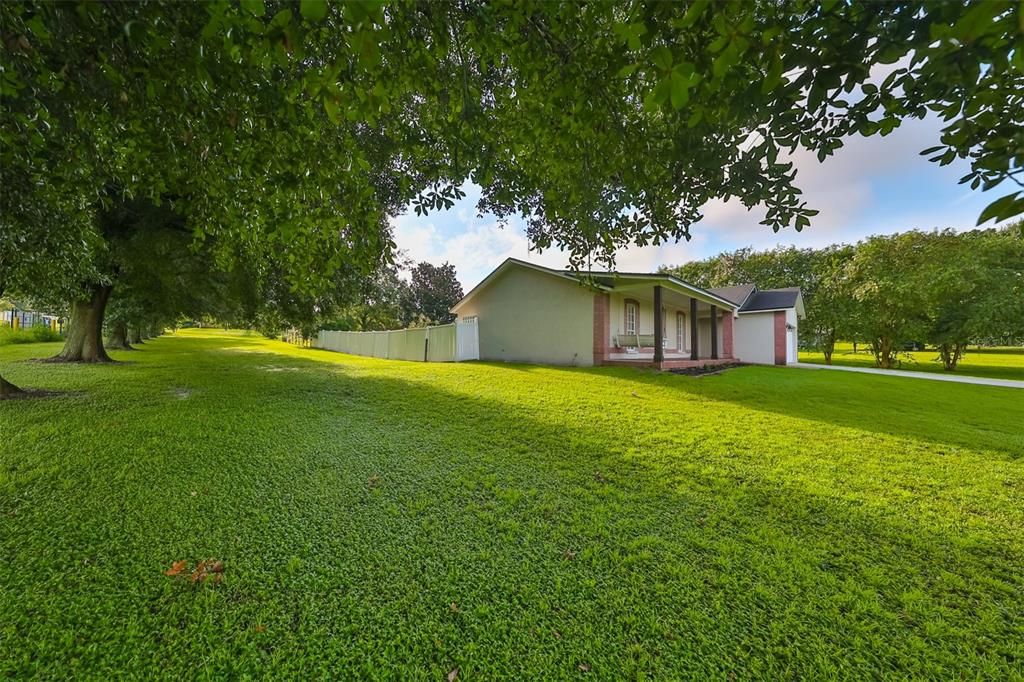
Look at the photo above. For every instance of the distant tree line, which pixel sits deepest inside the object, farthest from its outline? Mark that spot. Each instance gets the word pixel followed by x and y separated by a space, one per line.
pixel 943 288
pixel 389 300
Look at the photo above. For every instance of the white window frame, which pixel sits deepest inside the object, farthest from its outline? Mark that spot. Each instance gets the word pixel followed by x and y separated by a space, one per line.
pixel 635 307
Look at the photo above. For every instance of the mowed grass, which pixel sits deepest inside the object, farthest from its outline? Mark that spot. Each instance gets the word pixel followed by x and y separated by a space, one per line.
pixel 391 520
pixel 995 363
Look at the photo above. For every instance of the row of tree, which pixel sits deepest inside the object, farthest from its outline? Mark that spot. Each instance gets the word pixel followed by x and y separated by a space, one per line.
pixel 264 145
pixel 390 300
pixel 944 288
pixel 171 285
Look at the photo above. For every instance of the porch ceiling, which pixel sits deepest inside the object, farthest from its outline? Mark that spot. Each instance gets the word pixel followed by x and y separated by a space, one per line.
pixel 674 292
pixel 671 297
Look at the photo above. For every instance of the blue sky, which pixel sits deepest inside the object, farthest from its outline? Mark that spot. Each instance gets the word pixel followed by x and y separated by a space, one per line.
pixel 870 186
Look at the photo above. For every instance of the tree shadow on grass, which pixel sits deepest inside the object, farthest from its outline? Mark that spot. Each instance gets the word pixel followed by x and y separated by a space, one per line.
pixel 979 418
pixel 662 527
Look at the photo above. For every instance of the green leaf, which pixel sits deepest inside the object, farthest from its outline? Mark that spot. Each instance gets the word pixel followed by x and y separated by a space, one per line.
pixel 662 91
pixel 662 57
pixel 683 78
pixel 282 18
pixel 680 91
pixel 773 77
pixel 254 7
pixel 627 70
pixel 333 109
pixel 724 61
pixel 693 13
pixel 1002 208
pixel 313 10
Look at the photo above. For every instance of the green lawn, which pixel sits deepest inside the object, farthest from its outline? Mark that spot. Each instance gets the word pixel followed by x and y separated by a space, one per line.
pixel 381 519
pixel 995 363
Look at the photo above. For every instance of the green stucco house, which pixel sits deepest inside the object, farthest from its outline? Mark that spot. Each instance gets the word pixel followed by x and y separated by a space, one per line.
pixel 529 313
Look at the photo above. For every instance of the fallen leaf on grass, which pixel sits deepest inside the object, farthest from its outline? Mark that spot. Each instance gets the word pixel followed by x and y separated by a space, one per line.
pixel 584 668
pixel 213 568
pixel 374 481
pixel 452 675
pixel 260 628
pixel 204 569
pixel 176 568
pixel 454 608
pixel 570 554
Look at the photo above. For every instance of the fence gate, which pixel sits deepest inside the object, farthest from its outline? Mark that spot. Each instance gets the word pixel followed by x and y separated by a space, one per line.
pixel 467 341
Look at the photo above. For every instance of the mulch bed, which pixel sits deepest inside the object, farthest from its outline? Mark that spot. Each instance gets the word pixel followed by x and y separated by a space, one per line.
pixel 706 369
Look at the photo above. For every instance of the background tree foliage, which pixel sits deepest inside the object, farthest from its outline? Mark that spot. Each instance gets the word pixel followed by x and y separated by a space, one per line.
pixel 943 288
pixel 432 291
pixel 390 301
pixel 818 273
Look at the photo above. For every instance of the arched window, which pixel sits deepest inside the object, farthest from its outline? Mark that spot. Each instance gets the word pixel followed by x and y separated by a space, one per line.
pixel 632 319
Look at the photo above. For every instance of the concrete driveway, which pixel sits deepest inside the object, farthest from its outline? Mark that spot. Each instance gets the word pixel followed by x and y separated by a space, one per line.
pixel 1008 383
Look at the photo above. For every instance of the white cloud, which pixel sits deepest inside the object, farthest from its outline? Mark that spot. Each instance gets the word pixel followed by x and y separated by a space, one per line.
pixel 477 247
pixel 845 188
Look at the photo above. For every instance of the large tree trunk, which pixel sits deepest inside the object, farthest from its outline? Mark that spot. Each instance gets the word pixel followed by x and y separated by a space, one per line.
pixel 135 334
pixel 828 346
pixel 84 342
pixel 885 352
pixel 118 337
pixel 951 354
pixel 8 390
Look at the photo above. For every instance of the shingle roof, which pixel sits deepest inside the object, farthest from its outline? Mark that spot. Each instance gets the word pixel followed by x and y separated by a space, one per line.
pixel 737 294
pixel 611 280
pixel 772 299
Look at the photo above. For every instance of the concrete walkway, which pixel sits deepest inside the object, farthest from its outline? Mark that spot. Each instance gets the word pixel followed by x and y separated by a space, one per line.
pixel 1008 383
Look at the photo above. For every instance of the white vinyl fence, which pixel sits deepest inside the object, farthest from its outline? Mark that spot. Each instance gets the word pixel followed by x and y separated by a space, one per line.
pixel 446 343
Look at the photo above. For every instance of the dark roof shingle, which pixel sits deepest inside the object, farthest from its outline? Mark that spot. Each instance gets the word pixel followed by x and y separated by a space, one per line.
pixel 772 299
pixel 737 294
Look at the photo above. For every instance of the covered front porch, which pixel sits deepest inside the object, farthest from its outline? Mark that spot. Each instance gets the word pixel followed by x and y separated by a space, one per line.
pixel 648 362
pixel 659 322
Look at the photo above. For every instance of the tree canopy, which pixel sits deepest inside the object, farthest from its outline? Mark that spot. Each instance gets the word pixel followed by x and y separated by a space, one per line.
pixel 287 133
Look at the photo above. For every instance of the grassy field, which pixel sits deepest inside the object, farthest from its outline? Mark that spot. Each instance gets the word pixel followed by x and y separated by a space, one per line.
pixel 995 363
pixel 389 520
pixel 34 334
